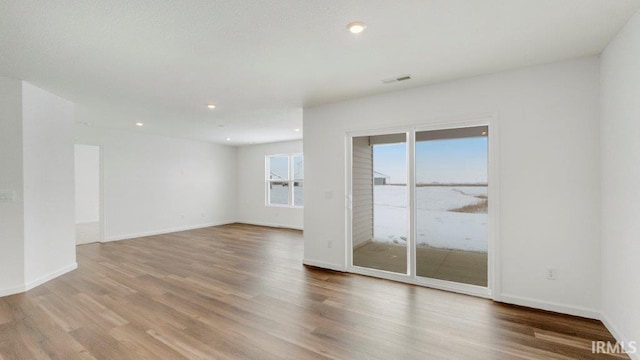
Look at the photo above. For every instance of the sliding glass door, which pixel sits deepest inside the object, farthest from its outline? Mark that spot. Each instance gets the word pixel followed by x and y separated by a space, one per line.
pixel 451 205
pixel 419 205
pixel 380 202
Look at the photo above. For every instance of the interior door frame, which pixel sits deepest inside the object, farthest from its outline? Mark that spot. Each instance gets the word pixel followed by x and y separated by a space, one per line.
pixel 101 197
pixel 493 288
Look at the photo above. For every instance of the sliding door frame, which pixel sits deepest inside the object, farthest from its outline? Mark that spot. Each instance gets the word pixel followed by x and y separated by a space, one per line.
pixel 493 288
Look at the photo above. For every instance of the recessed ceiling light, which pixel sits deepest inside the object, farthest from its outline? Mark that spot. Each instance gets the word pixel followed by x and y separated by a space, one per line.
pixel 484 133
pixel 211 106
pixel 139 124
pixel 296 130
pixel 228 139
pixel 356 27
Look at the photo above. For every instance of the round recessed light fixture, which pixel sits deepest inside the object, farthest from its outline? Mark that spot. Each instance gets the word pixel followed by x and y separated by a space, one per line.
pixel 139 124
pixel 356 27
pixel 296 130
pixel 211 106
pixel 228 139
pixel 484 133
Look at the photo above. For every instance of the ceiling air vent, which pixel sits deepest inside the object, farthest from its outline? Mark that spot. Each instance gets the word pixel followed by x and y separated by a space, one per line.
pixel 396 79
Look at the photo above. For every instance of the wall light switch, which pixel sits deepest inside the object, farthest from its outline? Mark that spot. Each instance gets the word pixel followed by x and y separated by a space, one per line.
pixel 7 196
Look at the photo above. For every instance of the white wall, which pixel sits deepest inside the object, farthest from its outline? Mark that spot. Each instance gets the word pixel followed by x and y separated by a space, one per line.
pixel 362 192
pixel 11 213
pixel 620 99
pixel 155 184
pixel 48 185
pixel 549 174
pixel 251 187
pixel 87 182
pixel 37 234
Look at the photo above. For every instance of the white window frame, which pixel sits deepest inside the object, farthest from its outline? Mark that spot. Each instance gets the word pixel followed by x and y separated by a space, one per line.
pixel 290 180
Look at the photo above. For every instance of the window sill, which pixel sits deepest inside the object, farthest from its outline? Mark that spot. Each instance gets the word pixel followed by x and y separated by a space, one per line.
pixel 284 206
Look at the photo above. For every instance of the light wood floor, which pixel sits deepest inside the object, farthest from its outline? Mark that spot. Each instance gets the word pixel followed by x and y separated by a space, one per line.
pixel 240 292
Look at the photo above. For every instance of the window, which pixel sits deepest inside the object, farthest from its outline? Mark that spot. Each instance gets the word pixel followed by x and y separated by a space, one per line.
pixel 285 180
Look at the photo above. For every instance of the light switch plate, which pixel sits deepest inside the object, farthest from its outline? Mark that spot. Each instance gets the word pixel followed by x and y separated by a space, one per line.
pixel 7 196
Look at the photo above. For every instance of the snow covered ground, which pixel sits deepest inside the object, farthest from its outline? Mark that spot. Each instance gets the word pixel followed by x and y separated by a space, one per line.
pixel 436 225
pixel 280 195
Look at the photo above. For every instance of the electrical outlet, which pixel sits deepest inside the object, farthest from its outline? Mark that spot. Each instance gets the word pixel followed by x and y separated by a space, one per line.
pixel 552 274
pixel 329 244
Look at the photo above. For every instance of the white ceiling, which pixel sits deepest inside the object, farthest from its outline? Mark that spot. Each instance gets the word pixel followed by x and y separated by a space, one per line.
pixel 262 61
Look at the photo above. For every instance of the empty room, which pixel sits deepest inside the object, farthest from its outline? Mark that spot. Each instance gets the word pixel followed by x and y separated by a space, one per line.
pixel 412 179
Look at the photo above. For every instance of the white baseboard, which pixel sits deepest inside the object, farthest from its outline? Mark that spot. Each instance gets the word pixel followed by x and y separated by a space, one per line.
pixel 43 279
pixel 550 306
pixel 166 231
pixel 273 225
pixel 619 337
pixel 39 281
pixel 12 290
pixel 324 265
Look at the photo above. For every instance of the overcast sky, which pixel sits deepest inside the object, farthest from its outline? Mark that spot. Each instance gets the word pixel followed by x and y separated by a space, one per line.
pixel 279 167
pixel 442 161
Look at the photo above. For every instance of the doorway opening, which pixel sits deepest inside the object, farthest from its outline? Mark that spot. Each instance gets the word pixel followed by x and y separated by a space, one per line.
pixel 87 191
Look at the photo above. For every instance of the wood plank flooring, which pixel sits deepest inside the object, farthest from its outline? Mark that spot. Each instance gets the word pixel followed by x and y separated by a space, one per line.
pixel 241 292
